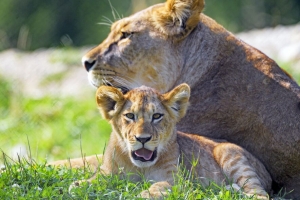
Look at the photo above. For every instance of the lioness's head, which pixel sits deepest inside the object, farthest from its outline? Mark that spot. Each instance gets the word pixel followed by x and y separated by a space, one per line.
pixel 141 49
pixel 143 119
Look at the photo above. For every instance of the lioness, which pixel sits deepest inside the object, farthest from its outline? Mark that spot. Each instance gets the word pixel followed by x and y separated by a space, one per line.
pixel 144 142
pixel 238 93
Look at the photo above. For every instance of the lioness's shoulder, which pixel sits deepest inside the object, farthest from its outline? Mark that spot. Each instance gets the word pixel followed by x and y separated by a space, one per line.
pixel 187 139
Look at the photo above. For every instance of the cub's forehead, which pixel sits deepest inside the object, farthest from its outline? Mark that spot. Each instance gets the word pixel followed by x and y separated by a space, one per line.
pixel 144 97
pixel 143 93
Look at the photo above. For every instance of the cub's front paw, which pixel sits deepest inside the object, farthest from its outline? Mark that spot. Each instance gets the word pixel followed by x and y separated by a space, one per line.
pixel 77 184
pixel 73 185
pixel 145 194
pixel 148 194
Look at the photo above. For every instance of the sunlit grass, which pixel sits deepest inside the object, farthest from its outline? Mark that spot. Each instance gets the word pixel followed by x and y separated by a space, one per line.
pixel 26 179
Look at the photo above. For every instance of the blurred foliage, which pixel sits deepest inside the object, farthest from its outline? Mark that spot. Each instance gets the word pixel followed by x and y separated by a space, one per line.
pixel 68 56
pixel 293 71
pixel 55 127
pixel 244 15
pixel 32 24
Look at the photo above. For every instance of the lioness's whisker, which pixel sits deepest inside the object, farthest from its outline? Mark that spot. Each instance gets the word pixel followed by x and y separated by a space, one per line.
pixel 123 82
pixel 106 19
pixel 114 12
pixel 106 82
pixel 129 80
pixel 104 23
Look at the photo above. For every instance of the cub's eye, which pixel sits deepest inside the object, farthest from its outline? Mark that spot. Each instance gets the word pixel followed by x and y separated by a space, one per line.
pixel 126 35
pixel 157 116
pixel 130 116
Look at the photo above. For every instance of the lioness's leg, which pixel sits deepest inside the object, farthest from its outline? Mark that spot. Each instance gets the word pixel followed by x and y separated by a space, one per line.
pixel 240 167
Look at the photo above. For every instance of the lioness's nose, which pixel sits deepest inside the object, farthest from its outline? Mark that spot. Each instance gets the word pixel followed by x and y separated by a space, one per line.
pixel 88 63
pixel 143 140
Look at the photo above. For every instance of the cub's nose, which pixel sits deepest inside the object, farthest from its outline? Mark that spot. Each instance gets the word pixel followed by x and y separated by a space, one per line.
pixel 143 140
pixel 88 63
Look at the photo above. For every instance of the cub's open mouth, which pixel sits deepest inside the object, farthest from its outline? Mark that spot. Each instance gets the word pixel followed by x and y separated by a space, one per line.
pixel 144 155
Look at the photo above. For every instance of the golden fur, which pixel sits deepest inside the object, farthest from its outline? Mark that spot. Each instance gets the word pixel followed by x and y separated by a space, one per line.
pixel 145 143
pixel 238 93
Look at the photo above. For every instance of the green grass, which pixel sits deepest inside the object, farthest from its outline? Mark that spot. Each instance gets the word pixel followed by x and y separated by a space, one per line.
pixel 27 179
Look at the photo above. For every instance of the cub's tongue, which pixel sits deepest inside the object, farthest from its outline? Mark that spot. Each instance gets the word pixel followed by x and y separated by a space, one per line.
pixel 144 153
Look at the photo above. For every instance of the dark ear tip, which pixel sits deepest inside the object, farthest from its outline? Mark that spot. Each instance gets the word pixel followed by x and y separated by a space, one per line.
pixel 183 25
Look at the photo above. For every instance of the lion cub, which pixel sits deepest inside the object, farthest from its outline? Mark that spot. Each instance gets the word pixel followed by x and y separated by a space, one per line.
pixel 145 141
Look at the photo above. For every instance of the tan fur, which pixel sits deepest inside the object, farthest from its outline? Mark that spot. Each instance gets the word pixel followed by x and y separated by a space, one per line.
pixel 91 162
pixel 217 161
pixel 238 93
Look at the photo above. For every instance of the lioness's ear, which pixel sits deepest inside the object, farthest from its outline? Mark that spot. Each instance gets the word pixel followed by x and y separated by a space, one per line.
pixel 177 100
pixel 178 17
pixel 109 100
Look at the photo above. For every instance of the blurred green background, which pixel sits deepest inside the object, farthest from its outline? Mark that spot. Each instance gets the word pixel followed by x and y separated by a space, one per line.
pixel 53 126
pixel 32 24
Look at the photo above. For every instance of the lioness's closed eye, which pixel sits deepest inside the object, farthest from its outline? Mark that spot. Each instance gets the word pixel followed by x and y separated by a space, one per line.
pixel 144 141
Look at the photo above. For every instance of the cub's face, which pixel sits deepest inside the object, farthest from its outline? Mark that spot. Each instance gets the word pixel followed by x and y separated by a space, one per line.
pixel 145 126
pixel 143 119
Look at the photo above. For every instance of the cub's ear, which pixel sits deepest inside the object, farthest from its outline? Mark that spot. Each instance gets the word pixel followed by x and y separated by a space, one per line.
pixel 110 100
pixel 179 17
pixel 177 100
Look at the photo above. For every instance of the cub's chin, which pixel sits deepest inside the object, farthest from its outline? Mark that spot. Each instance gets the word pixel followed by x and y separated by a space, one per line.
pixel 143 157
